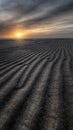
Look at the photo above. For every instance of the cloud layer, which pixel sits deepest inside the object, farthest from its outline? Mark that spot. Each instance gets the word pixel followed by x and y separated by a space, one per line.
pixel 42 14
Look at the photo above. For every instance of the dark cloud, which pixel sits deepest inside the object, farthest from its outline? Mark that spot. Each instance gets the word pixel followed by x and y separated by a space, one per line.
pixel 58 11
pixel 23 6
pixel 33 12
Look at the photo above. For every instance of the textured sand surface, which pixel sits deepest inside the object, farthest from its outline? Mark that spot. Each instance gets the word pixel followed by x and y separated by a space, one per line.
pixel 36 84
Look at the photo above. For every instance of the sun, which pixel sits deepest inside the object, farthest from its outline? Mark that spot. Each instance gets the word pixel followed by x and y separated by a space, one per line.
pixel 19 35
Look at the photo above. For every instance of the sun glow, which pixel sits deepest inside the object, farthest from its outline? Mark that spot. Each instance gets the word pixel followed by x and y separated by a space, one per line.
pixel 24 33
pixel 19 35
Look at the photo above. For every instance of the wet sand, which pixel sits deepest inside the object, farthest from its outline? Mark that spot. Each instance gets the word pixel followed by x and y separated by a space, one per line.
pixel 36 84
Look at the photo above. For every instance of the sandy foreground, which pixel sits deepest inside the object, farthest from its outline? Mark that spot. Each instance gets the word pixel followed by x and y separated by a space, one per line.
pixel 36 84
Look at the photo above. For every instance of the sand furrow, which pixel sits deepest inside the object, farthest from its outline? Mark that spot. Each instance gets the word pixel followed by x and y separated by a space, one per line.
pixel 36 85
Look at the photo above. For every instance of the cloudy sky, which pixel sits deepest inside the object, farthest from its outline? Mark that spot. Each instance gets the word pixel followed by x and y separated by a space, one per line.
pixel 37 18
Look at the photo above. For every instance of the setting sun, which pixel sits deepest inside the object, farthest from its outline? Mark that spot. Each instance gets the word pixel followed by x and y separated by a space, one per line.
pixel 19 35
